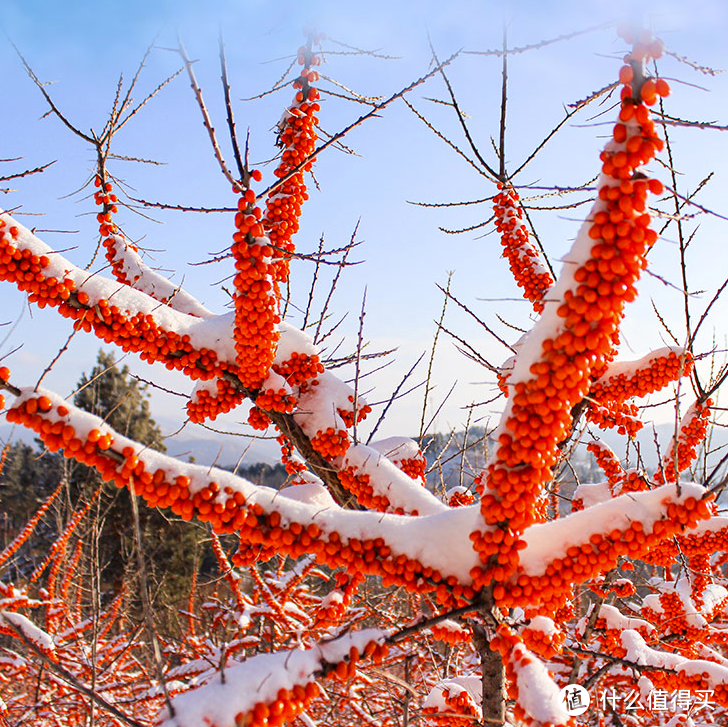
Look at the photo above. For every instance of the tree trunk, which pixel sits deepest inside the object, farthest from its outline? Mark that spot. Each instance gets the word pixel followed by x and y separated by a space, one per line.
pixel 494 672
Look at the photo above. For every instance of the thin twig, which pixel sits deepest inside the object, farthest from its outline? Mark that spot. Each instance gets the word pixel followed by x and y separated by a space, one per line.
pixel 394 396
pixel 70 679
pixel 207 122
pixel 242 170
pixel 428 378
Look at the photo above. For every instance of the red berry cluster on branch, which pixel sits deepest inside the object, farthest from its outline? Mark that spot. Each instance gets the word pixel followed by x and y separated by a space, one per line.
pixel 256 303
pixel 682 453
pixel 459 497
pixel 358 485
pixel 335 603
pixel 108 229
pixel 348 414
pixel 300 367
pixel 525 261
pixel 297 136
pixel 214 398
pixel 542 637
pixel 281 400
pixel 223 506
pixel 451 633
pixel 554 586
pixel 138 332
pixel 657 372
pixel 263 242
pixel 608 462
pixel 330 442
pixel 539 416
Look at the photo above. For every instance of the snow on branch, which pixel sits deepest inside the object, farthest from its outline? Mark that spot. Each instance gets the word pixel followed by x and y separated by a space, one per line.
pixel 130 269
pixel 295 520
pixel 279 684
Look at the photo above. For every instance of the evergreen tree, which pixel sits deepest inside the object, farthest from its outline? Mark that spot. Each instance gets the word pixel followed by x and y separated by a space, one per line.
pixel 29 474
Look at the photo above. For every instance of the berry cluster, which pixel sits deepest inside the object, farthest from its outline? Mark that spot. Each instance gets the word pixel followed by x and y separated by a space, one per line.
pixel 358 485
pixel 289 703
pixel 247 554
pixel 525 261
pixel 622 588
pixel 258 419
pixel 263 242
pixel 658 371
pixel 207 402
pixel 4 377
pixel 459 497
pixel 608 462
pixel 622 417
pixel 330 442
pixel 281 400
pixel 693 428
pixel 601 553
pixel 546 641
pixel 137 332
pixel 334 605
pixel 414 467
pixel 23 267
pixel 108 230
pixel 297 137
pixel 256 303
pixel 348 414
pixel 151 476
pixel 292 464
pixel 461 709
pixel 539 415
pixel 222 395
pixel 299 368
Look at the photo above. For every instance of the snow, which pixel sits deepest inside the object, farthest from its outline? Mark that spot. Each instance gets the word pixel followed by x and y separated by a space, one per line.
pixel 543 624
pixel 258 680
pixel 318 404
pixel 31 632
pixel 628 369
pixel 388 480
pixel 550 540
pixel 538 694
pixel 183 316
pixel 292 341
pixel 396 448
pixel 143 278
pixel 213 333
pixel 450 552
pixel 615 619
pixel 593 493
pixel 310 493
pixel 549 324
pixel 638 652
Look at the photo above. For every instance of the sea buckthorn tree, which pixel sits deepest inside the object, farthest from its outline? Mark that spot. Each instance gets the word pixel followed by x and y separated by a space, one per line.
pixel 495 618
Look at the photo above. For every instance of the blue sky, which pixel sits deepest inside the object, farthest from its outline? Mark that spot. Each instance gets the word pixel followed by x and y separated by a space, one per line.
pixel 82 47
